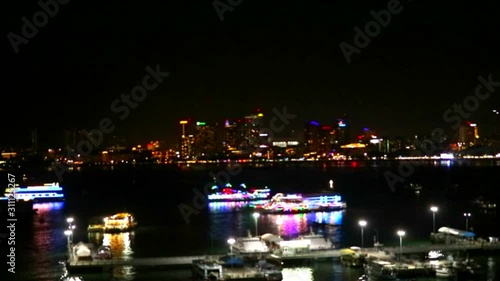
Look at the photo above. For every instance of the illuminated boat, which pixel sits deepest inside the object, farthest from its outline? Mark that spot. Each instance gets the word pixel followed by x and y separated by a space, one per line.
pixel 228 193
pixel 48 192
pixel 121 222
pixel 297 203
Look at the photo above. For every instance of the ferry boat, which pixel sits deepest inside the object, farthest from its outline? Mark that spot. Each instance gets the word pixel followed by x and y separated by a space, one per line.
pixel 48 192
pixel 121 222
pixel 228 193
pixel 297 203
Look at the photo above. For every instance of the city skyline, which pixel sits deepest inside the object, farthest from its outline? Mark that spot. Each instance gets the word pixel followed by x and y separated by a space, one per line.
pixel 401 83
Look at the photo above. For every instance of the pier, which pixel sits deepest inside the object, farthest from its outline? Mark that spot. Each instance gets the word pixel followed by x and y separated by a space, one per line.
pixel 74 264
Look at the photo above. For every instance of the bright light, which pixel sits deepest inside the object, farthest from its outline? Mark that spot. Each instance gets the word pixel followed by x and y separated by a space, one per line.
pixel 256 215
pixel 401 233
pixel 362 223
pixel 434 209
pixel 231 241
pixel 183 122
pixel 68 232
pixel 69 220
pixel 446 156
pixel 466 214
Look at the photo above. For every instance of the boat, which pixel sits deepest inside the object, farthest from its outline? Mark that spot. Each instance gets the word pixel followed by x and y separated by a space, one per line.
pixel 121 222
pixel 104 252
pixel 228 193
pixel 385 270
pixel 352 257
pixel 445 271
pixel 47 192
pixel 298 203
pixel 207 270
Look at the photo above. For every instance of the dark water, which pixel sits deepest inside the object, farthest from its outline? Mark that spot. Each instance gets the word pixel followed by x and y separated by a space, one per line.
pixel 154 194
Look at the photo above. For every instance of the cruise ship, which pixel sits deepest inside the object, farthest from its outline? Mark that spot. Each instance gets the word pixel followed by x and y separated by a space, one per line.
pixel 48 192
pixel 298 203
pixel 228 193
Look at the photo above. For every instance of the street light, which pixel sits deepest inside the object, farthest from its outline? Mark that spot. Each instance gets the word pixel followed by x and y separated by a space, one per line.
pixel 362 223
pixel 434 210
pixel 231 241
pixel 70 220
pixel 401 233
pixel 467 216
pixel 256 216
pixel 68 233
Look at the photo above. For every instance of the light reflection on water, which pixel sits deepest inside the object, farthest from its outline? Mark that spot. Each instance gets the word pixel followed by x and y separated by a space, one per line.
pixel 298 274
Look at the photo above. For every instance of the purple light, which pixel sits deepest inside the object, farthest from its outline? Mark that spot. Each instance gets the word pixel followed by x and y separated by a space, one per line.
pixel 314 123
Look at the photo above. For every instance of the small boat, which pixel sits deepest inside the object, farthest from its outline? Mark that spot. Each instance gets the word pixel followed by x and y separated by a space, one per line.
pixel 352 257
pixel 104 252
pixel 444 271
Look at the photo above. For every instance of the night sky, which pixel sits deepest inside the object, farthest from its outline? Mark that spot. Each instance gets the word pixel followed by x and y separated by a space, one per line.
pixel 264 54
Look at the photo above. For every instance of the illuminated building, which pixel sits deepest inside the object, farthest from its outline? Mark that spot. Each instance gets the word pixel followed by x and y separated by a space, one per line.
pixel 343 131
pixel 319 139
pixel 251 131
pixel 312 137
pixel 232 136
pixel 468 135
pixel 187 140
pixel 204 140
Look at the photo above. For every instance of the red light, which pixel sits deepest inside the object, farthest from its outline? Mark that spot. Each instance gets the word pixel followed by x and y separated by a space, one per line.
pixel 360 137
pixel 354 164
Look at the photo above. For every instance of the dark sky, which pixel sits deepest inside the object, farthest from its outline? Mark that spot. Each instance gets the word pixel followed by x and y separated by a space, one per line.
pixel 264 54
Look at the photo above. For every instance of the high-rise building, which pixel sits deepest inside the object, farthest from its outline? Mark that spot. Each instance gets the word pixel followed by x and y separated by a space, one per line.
pixel 232 136
pixel 187 140
pixel 312 135
pixel 251 131
pixel 343 131
pixel 204 140
pixel 468 135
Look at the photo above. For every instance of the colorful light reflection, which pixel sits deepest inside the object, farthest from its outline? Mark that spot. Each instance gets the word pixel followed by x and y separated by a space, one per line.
pixel 329 218
pixel 44 207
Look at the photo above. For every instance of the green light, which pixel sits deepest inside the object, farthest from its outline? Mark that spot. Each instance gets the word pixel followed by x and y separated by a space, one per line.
pixel 200 123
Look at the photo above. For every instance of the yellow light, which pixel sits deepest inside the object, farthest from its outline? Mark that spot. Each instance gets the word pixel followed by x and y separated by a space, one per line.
pixel 260 115
pixel 183 122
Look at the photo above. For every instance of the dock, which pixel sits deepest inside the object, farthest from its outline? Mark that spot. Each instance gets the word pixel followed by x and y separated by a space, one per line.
pixel 74 264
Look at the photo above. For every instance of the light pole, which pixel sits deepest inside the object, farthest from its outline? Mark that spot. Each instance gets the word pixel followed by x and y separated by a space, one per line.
pixel 362 224
pixel 434 210
pixel 401 233
pixel 231 241
pixel 68 233
pixel 70 221
pixel 256 217
pixel 467 216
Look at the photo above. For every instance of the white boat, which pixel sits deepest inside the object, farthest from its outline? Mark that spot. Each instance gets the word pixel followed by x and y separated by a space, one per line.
pixel 48 192
pixel 445 271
